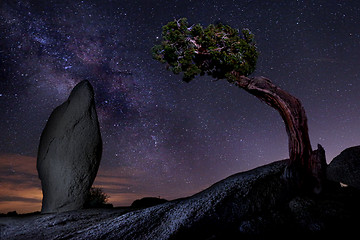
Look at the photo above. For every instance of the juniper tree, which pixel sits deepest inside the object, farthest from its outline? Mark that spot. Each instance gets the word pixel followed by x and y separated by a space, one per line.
pixel 223 52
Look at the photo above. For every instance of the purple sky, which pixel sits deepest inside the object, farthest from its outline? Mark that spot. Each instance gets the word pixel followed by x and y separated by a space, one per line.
pixel 164 137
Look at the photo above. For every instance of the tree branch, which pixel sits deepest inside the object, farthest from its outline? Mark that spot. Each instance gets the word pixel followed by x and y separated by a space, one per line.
pixel 303 160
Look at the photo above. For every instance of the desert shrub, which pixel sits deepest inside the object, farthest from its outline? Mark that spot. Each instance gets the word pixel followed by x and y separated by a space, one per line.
pixel 97 198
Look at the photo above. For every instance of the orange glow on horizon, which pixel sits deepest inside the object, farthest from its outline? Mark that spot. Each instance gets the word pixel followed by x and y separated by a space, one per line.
pixel 21 188
pixel 115 182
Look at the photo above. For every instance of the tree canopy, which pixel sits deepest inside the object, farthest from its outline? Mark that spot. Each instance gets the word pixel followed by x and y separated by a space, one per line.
pixel 216 50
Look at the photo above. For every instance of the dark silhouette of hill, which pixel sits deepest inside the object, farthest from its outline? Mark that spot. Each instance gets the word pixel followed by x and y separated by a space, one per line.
pixel 148 202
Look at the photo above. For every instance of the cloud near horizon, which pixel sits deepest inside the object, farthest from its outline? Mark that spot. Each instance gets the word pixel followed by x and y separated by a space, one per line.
pixel 21 188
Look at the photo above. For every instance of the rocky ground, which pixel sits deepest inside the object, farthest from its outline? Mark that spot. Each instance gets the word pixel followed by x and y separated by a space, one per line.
pixel 249 205
pixel 52 225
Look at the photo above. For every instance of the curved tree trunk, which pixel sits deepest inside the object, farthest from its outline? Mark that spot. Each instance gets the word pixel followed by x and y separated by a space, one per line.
pixel 306 167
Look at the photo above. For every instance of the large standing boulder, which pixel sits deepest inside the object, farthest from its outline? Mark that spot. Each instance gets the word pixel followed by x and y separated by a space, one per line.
pixel 345 167
pixel 70 151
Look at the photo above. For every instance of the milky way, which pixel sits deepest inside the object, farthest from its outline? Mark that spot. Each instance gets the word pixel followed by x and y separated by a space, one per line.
pixel 168 137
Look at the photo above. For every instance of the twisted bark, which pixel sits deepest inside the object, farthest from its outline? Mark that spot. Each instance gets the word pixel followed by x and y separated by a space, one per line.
pixel 306 167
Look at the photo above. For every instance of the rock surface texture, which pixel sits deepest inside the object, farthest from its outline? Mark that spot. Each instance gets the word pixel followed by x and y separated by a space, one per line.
pixel 70 151
pixel 345 167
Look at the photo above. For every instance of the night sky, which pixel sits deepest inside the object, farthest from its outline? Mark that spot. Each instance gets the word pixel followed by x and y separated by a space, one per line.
pixel 162 136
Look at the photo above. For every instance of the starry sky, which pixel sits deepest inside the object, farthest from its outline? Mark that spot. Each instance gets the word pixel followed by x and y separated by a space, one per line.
pixel 162 136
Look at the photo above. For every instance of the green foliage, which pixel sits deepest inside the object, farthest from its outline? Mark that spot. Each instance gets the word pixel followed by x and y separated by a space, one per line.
pixel 216 50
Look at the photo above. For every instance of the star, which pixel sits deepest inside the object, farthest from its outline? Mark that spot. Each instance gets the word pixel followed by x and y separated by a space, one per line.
pixel 160 133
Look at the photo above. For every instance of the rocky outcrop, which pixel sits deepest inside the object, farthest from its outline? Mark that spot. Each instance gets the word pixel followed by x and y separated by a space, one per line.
pixel 70 151
pixel 218 211
pixel 345 167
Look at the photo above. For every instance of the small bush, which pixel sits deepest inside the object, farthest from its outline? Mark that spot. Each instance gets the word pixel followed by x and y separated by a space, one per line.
pixel 97 198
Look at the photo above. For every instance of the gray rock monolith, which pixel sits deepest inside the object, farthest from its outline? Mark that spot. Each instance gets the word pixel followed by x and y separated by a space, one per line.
pixel 70 151
pixel 345 167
